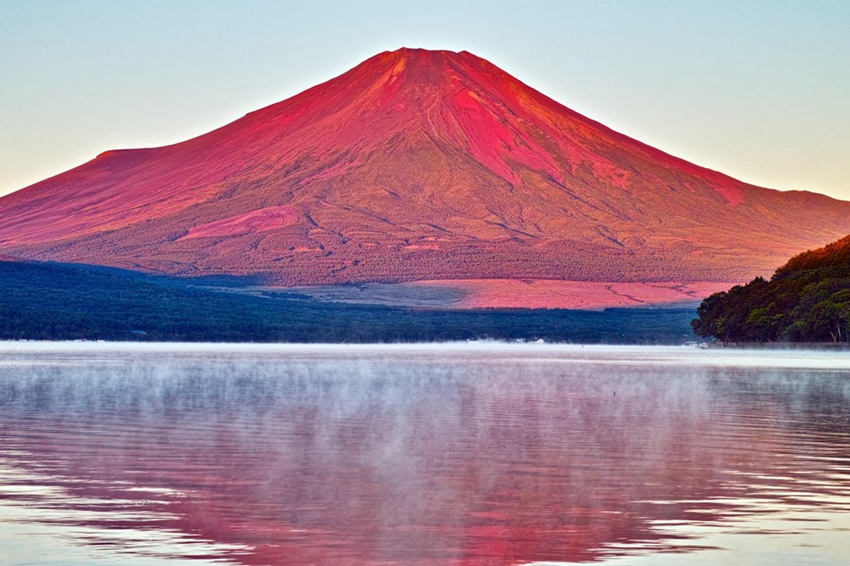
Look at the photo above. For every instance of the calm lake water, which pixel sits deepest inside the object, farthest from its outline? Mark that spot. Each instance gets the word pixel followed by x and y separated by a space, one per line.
pixel 422 455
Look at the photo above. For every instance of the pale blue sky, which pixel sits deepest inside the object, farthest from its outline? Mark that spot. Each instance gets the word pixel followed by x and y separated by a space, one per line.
pixel 757 89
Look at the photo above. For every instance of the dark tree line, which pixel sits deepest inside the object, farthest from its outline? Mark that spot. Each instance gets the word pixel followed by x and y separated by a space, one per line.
pixel 806 300
pixel 49 301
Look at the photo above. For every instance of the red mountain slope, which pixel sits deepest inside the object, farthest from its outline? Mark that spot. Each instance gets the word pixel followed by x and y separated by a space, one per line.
pixel 415 165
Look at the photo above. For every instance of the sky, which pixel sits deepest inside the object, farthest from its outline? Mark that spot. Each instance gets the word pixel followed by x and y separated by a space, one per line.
pixel 759 90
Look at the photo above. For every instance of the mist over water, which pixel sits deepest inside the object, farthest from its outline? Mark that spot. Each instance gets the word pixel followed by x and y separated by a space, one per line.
pixel 455 454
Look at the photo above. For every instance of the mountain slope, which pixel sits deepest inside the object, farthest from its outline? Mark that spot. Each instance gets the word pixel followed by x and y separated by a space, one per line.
pixel 415 165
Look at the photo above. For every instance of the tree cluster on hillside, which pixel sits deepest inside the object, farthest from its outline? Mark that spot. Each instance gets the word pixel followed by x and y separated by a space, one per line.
pixel 49 301
pixel 806 300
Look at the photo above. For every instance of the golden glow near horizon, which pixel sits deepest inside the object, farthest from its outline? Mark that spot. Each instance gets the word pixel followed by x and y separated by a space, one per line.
pixel 759 92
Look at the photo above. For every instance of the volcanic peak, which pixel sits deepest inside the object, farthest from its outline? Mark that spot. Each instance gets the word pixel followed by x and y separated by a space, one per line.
pixel 414 165
pixel 466 101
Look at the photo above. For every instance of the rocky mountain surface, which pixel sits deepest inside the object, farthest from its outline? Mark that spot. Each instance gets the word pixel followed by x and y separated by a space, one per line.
pixel 417 166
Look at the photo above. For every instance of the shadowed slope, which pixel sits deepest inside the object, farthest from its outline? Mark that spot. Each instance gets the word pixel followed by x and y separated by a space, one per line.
pixel 415 165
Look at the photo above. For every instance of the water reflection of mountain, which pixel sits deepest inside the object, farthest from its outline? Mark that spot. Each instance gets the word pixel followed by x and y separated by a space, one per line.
pixel 455 458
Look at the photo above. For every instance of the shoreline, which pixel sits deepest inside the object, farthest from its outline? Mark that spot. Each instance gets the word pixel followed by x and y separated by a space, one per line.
pixel 779 346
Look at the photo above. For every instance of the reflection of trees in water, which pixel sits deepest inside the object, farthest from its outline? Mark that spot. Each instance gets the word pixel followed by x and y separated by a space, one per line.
pixel 460 459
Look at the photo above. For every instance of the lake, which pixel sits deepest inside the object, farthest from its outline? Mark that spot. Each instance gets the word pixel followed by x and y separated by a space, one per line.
pixel 459 454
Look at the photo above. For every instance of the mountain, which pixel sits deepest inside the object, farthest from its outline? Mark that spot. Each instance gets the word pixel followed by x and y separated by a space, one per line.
pixel 417 166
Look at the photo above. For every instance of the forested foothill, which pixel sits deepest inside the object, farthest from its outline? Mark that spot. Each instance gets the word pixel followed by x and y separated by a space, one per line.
pixel 51 301
pixel 806 300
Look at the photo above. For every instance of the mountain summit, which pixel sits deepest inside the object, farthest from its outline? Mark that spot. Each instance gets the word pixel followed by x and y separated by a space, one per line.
pixel 415 165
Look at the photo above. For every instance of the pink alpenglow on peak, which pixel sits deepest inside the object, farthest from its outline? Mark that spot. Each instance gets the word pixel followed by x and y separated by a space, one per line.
pixel 416 165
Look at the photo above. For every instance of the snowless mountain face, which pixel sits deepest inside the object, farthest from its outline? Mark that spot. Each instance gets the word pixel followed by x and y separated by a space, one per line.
pixel 415 165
